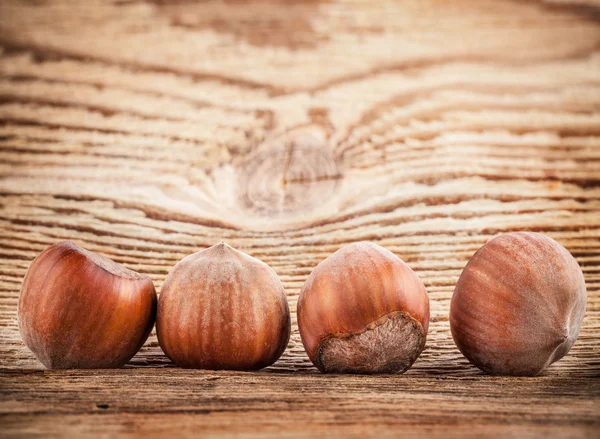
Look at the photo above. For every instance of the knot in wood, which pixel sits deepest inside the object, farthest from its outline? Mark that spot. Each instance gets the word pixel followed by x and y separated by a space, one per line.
pixel 291 175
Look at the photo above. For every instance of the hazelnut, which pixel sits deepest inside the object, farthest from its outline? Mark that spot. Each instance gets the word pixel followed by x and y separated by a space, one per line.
pixel 518 304
pixel 223 309
pixel 363 310
pixel 78 309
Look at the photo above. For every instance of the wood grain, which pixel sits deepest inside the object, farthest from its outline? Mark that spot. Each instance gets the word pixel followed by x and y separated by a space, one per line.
pixel 87 403
pixel 147 130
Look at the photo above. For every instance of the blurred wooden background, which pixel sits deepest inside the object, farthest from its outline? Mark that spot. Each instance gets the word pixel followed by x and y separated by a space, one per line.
pixel 148 130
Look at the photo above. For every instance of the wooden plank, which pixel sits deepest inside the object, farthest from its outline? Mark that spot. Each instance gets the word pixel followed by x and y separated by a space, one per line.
pixel 153 402
pixel 147 130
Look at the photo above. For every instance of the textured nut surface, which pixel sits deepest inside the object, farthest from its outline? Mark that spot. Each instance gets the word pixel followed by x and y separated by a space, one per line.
pixel 223 309
pixel 78 309
pixel 518 305
pixel 363 310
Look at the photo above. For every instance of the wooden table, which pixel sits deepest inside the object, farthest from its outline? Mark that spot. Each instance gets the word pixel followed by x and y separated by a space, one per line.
pixel 147 130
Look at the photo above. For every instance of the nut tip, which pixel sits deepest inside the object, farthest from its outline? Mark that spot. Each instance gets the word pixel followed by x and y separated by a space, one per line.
pixel 221 247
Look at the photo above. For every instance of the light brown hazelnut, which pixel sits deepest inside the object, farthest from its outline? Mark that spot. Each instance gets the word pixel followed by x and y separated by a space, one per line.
pixel 223 309
pixel 518 304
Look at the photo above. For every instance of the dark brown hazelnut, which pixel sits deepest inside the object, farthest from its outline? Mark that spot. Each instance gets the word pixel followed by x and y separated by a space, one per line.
pixel 78 309
pixel 223 309
pixel 363 310
pixel 518 304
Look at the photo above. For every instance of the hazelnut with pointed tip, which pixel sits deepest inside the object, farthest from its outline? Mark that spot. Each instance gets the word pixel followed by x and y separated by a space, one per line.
pixel 223 309
pixel 78 309
pixel 363 310
pixel 518 304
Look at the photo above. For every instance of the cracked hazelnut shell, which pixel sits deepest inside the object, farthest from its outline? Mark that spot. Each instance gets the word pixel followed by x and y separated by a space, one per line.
pixel 518 304
pixel 223 309
pixel 363 310
pixel 80 310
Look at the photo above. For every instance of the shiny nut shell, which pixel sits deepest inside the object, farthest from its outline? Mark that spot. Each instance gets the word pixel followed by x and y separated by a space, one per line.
pixel 78 309
pixel 363 310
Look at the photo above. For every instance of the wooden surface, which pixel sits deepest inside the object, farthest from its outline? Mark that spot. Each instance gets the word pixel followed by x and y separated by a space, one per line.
pixel 147 130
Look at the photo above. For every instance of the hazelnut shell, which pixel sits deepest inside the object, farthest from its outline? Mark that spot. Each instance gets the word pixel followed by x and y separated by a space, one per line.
pixel 363 310
pixel 518 304
pixel 78 309
pixel 223 309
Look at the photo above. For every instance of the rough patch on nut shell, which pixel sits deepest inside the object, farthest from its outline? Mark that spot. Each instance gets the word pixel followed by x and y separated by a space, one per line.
pixel 391 344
